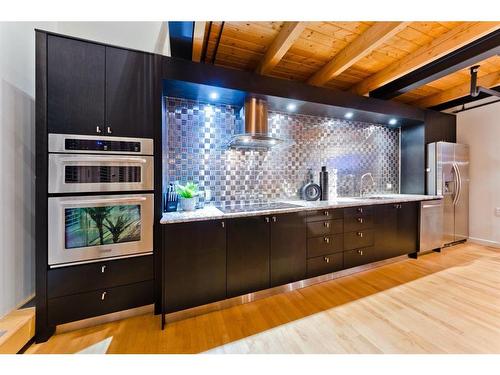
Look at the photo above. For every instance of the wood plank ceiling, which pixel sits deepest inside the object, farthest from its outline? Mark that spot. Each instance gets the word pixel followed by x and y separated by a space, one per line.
pixel 355 56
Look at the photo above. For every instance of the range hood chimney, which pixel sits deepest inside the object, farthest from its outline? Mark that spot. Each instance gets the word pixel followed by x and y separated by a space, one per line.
pixel 255 134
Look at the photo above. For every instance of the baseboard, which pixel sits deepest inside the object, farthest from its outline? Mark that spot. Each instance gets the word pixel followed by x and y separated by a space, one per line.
pixel 18 328
pixel 484 242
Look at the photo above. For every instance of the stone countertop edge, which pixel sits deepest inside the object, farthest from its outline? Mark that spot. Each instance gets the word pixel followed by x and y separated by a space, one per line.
pixel 211 212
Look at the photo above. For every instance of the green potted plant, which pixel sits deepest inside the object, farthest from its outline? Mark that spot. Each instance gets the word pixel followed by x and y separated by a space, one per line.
pixel 187 195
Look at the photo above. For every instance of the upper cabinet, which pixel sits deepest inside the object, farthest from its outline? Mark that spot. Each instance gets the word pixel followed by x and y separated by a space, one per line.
pixel 98 90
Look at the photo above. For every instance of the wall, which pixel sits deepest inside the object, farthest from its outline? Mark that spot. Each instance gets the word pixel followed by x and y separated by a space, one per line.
pixel 17 164
pixel 196 135
pixel 480 129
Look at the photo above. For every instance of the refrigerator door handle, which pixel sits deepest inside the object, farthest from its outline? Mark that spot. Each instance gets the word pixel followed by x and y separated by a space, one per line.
pixel 458 184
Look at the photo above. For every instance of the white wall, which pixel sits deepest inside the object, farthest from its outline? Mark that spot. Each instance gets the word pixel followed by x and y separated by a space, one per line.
pixel 17 123
pixel 480 129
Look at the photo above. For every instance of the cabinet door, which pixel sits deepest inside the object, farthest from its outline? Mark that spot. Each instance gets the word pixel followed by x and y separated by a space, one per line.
pixel 407 228
pixel 130 95
pixel 386 231
pixel 288 248
pixel 247 255
pixel 195 264
pixel 75 86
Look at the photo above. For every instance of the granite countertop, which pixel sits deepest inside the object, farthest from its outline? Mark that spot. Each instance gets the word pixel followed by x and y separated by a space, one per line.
pixel 211 212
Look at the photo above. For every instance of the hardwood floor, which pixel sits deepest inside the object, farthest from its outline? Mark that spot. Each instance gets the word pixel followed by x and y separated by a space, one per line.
pixel 445 302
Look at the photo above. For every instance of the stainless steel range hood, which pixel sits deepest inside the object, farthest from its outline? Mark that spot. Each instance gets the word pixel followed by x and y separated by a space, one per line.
pixel 255 134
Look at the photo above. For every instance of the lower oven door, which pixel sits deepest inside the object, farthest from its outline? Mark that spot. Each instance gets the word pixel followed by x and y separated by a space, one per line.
pixel 74 173
pixel 83 229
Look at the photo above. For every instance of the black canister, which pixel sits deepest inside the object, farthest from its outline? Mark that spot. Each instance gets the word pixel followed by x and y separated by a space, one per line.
pixel 323 183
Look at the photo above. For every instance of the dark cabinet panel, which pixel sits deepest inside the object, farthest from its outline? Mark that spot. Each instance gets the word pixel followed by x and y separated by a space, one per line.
pixel 408 227
pixel 85 305
pixel 355 223
pixel 94 276
pixel 357 211
pixel 322 215
pixel 355 240
pixel 195 264
pixel 129 93
pixel 325 245
pixel 325 228
pixel 248 241
pixel 358 257
pixel 75 86
pixel 324 264
pixel 288 248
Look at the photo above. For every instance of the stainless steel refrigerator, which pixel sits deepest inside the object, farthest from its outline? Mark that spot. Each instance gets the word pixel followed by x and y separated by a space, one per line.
pixel 448 175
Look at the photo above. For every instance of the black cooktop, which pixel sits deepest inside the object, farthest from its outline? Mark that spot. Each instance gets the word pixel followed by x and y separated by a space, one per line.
pixel 255 207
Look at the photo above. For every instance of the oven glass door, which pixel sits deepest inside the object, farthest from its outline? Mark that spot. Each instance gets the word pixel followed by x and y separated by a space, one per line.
pixel 88 228
pixel 89 173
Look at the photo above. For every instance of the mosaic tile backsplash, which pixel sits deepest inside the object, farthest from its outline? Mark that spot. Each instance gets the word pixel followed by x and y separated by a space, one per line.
pixel 196 134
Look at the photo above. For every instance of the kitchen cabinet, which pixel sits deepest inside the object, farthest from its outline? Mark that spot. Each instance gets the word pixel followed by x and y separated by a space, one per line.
pixel 248 246
pixel 288 248
pixel 194 264
pixel 396 230
pixel 98 90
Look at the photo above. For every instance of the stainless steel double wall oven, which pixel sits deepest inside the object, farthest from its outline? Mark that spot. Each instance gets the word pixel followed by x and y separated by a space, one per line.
pixel 85 226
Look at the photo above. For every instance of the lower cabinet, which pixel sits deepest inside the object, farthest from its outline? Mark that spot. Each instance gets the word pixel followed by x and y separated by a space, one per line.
pixel 325 264
pixel 195 264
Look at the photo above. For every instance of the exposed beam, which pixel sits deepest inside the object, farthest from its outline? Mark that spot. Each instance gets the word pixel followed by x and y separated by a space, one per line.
pixel 446 43
pixel 461 101
pixel 289 33
pixel 489 80
pixel 363 45
pixel 198 39
pixel 479 50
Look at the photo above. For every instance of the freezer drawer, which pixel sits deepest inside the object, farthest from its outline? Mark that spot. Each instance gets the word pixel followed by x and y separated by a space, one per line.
pixel 431 225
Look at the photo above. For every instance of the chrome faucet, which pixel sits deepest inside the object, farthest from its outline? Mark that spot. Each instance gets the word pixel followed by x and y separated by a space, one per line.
pixel 361 182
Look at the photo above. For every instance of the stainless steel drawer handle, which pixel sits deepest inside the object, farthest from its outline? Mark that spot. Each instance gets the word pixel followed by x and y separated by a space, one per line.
pixel 98 129
pixel 267 220
pixel 103 268
pixel 274 219
pixel 360 219
pixel 103 295
pixel 223 224
pixel 108 130
pixel 360 210
pixel 326 259
pixel 327 213
pixel 327 224
pixel 360 234
pixel 360 252
pixel 327 240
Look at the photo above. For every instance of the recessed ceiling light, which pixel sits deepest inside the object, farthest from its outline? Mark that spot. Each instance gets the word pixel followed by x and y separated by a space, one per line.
pixel 213 95
pixel 348 115
pixel 291 107
pixel 393 121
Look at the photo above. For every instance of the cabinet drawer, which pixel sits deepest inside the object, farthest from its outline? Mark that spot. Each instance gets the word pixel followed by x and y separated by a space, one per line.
pixel 99 302
pixel 325 245
pixel 356 211
pixel 324 228
pixel 324 264
pixel 359 239
pixel 358 222
pixel 93 276
pixel 322 215
pixel 358 257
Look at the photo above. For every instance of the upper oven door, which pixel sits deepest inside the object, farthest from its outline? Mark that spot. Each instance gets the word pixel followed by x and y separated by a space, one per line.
pixel 76 173
pixel 87 228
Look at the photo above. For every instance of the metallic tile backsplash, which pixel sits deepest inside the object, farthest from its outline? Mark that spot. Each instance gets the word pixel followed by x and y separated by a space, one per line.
pixel 196 134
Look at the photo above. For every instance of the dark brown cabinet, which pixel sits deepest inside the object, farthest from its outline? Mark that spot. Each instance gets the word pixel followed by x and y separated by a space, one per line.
pixel 194 264
pixel 288 248
pixel 248 247
pixel 98 90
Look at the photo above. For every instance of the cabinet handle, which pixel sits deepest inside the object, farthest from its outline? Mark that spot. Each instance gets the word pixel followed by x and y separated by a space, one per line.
pixel 103 268
pixel 360 234
pixel 360 252
pixel 327 224
pixel 326 259
pixel 223 225
pixel 103 295
pixel 108 130
pixel 360 210
pixel 327 213
pixel 274 219
pixel 267 220
pixel 98 129
pixel 360 219
pixel 327 240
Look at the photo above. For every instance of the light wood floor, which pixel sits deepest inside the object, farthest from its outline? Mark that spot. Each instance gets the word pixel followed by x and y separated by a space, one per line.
pixel 445 302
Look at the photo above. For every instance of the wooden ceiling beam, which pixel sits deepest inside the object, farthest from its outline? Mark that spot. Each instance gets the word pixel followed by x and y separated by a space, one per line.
pixel 446 43
pixel 363 45
pixel 289 33
pixel 489 80
pixel 198 39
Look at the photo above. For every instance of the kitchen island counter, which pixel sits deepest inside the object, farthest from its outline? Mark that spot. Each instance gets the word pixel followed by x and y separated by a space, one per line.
pixel 211 212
